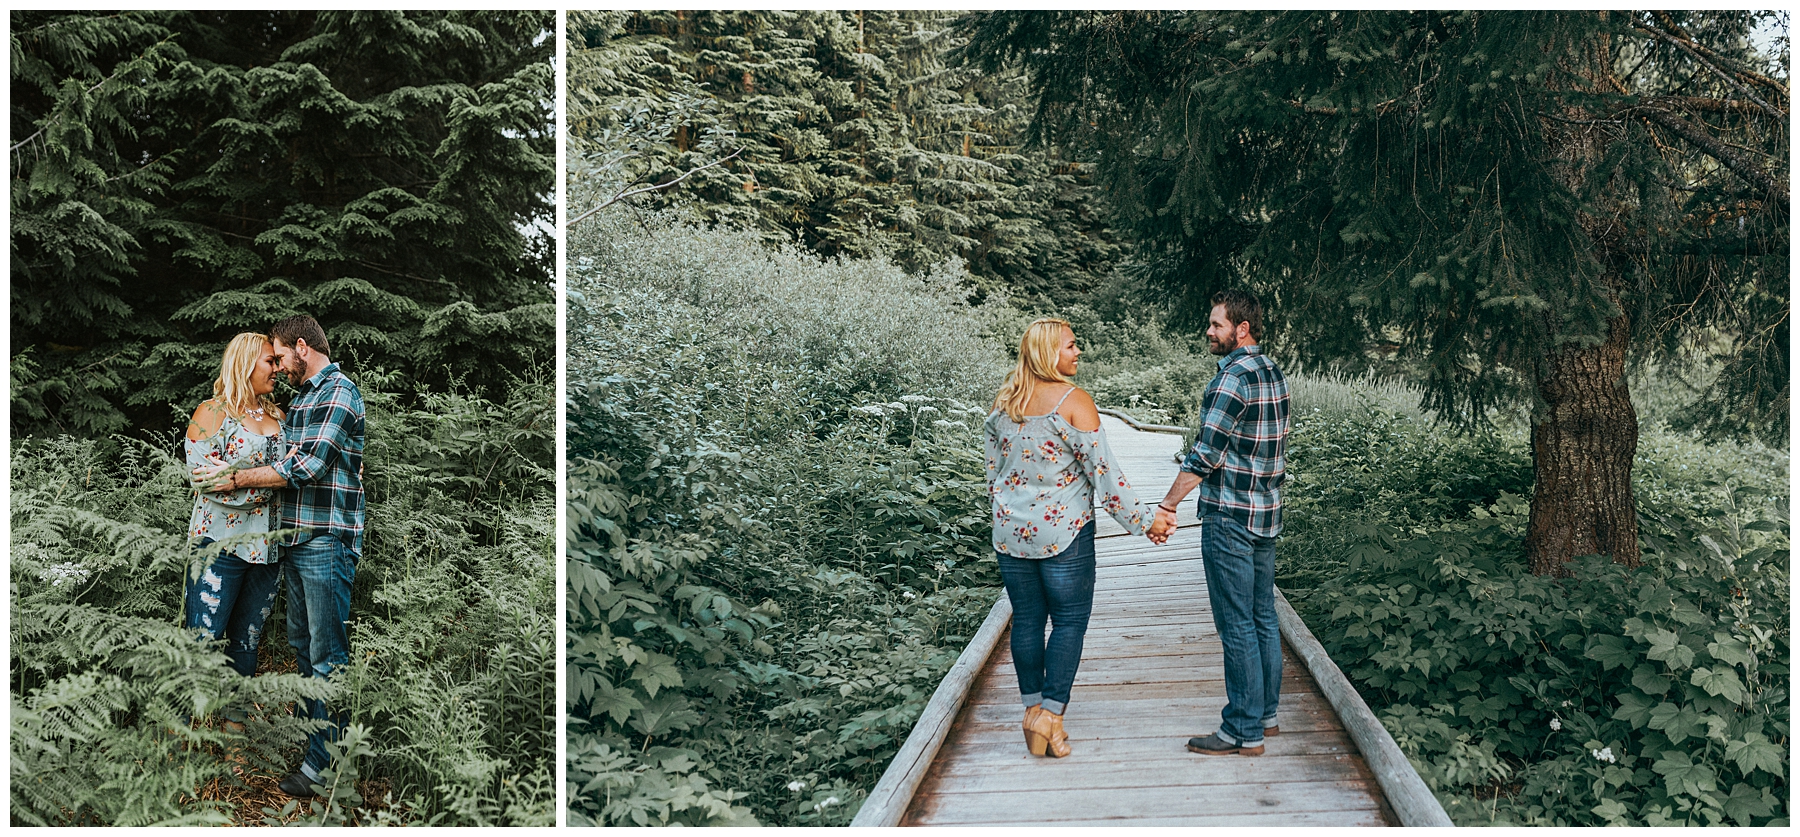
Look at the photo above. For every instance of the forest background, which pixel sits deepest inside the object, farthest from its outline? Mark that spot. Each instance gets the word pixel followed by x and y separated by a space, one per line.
pixel 177 178
pixel 803 245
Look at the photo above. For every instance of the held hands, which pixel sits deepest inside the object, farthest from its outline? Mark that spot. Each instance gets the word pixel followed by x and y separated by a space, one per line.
pixel 1162 527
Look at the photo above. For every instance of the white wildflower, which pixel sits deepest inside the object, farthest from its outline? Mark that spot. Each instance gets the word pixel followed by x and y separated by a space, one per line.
pixel 869 410
pixel 1605 754
pixel 1556 723
pixel 796 785
pixel 66 572
pixel 924 410
pixel 913 399
pixel 1566 704
pixel 829 801
pixel 895 405
pixel 908 595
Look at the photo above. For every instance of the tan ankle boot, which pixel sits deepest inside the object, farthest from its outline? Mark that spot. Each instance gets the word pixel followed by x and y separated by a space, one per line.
pixel 1035 741
pixel 1059 740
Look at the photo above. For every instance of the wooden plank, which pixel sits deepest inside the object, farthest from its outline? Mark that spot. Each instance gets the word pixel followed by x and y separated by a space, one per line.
pixel 1098 744
pixel 1188 771
pixel 1047 806
pixel 1335 819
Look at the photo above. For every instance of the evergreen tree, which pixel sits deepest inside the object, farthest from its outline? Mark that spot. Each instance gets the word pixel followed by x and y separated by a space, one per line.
pixel 859 135
pixel 183 176
pixel 1519 201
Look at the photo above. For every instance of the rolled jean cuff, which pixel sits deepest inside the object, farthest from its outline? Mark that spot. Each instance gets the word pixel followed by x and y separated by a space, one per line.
pixel 1054 707
pixel 1032 699
pixel 311 773
pixel 1229 739
pixel 1270 721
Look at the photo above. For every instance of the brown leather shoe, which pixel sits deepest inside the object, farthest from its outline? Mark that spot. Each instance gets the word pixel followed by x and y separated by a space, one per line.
pixel 1059 740
pixel 1271 732
pixel 1213 745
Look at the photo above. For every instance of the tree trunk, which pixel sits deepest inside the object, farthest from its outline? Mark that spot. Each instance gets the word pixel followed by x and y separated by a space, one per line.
pixel 1583 439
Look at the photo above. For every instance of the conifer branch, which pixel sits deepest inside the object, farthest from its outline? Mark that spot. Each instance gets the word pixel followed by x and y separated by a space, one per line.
pixel 1738 164
pixel 1730 81
pixel 1675 29
pixel 88 92
pixel 623 195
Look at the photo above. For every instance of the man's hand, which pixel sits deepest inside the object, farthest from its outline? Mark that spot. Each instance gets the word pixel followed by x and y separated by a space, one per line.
pixel 212 476
pixel 1162 527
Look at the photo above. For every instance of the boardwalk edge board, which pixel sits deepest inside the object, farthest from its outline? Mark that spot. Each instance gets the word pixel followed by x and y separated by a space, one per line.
pixel 1134 424
pixel 888 800
pixel 1406 793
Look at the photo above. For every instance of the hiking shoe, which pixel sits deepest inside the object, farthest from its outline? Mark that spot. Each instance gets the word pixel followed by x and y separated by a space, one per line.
pixel 1213 745
pixel 296 785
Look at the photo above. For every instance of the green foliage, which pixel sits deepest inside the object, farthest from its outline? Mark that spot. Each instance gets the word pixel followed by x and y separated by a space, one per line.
pixel 180 177
pixel 1648 696
pixel 860 132
pixel 449 687
pixel 777 522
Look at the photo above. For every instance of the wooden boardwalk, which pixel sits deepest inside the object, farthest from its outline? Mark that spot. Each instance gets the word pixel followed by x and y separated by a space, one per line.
pixel 1150 677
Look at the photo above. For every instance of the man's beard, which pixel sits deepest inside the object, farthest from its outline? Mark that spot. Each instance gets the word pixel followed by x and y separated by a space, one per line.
pixel 1219 348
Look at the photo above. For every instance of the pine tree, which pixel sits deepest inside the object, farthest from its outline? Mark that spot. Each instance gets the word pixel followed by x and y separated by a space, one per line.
pixel 183 176
pixel 1519 201
pixel 860 131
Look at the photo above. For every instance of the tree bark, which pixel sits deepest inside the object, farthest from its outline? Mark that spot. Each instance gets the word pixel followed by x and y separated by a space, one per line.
pixel 1583 438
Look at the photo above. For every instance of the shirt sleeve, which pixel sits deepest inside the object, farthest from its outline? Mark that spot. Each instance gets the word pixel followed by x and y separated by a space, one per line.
pixel 992 448
pixel 1112 491
pixel 319 442
pixel 1220 409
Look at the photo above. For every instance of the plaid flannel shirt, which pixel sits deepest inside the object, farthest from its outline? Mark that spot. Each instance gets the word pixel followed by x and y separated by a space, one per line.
pixel 1240 454
pixel 324 490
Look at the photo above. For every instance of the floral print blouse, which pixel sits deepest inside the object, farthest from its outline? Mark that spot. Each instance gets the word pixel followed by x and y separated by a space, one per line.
pixel 1043 475
pixel 246 511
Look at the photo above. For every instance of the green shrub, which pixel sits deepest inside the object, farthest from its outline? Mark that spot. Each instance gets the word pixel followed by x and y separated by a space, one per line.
pixel 1650 695
pixel 777 521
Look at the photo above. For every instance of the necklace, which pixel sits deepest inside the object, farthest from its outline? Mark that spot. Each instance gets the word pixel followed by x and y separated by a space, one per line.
pixel 257 413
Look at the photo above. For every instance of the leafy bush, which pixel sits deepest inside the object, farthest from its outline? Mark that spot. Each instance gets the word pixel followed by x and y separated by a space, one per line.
pixel 1651 695
pixel 776 521
pixel 452 640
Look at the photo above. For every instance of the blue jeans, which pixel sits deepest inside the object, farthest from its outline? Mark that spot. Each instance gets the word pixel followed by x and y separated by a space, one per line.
pixel 1240 583
pixel 230 600
pixel 319 573
pixel 1061 590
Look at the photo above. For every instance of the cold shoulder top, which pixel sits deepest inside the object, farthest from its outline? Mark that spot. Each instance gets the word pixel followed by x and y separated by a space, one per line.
pixel 1043 477
pixel 245 511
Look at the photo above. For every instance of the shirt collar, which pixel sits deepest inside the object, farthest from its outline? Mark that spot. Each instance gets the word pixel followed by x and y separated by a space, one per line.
pixel 1238 352
pixel 319 377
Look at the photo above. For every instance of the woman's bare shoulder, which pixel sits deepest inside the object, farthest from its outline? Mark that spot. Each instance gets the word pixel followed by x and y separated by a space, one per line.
pixel 208 417
pixel 1079 410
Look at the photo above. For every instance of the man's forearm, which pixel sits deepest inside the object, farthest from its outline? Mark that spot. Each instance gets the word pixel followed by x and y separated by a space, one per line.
pixel 263 477
pixel 1184 484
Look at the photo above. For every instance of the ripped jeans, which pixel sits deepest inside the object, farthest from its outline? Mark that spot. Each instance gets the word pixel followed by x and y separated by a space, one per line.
pixel 230 600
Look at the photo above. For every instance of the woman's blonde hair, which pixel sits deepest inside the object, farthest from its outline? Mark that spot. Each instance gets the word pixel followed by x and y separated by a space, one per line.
pixel 232 389
pixel 1038 351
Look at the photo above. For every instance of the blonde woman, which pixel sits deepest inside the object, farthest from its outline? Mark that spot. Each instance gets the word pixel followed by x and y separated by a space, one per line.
pixel 1047 463
pixel 239 427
